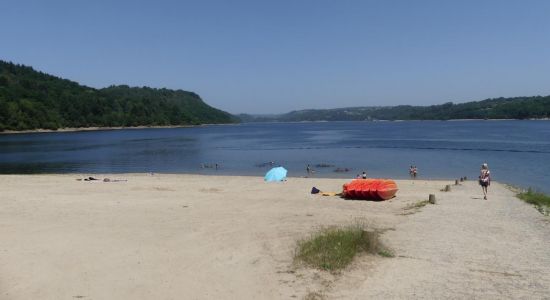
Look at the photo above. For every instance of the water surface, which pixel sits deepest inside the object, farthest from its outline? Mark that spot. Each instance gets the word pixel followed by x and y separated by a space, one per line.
pixel 517 152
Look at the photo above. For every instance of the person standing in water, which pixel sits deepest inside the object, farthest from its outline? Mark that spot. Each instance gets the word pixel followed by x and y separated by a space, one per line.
pixel 484 179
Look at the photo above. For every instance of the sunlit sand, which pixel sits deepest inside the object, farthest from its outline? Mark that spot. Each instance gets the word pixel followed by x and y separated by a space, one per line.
pixel 211 237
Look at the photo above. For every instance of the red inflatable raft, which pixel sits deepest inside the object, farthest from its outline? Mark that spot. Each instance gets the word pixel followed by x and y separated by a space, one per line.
pixel 373 189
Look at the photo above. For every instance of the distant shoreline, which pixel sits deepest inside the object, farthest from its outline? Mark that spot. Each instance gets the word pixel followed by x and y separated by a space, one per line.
pixel 374 121
pixel 78 129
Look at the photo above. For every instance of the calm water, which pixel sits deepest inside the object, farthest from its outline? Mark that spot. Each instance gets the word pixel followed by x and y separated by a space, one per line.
pixel 517 152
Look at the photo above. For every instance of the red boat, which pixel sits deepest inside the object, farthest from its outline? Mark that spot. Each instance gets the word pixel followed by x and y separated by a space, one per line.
pixel 372 189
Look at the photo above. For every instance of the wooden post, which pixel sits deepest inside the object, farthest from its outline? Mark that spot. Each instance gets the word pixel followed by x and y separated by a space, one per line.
pixel 431 199
pixel 448 188
pixel 456 181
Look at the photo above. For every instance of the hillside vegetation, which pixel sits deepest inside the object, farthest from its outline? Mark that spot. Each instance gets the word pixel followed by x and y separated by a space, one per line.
pixel 31 100
pixel 500 108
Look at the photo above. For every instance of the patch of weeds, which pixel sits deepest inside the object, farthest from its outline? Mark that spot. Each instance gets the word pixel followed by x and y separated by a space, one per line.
pixel 314 296
pixel 540 200
pixel 413 208
pixel 416 205
pixel 334 248
pixel 386 253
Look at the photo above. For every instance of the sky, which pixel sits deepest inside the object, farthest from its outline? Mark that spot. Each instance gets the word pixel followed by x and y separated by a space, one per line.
pixel 276 56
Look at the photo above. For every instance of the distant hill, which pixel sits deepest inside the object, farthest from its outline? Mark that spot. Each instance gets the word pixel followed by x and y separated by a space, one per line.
pixel 32 100
pixel 537 107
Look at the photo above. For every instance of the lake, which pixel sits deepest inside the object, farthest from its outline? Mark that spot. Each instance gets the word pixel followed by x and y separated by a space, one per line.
pixel 518 152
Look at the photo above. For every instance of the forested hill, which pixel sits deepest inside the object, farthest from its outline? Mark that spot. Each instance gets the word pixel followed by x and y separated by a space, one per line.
pixel 31 100
pixel 500 108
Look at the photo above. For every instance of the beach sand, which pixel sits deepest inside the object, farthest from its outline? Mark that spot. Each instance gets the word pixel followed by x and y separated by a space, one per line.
pixel 169 236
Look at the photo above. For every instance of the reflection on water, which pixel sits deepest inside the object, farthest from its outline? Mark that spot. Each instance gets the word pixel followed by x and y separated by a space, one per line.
pixel 517 151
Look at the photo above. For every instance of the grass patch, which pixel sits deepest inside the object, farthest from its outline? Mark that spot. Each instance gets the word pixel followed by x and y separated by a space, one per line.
pixel 412 208
pixel 416 205
pixel 385 253
pixel 334 248
pixel 314 296
pixel 540 200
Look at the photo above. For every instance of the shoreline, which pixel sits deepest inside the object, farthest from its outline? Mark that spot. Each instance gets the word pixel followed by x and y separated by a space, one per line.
pixel 81 129
pixel 511 186
pixel 240 175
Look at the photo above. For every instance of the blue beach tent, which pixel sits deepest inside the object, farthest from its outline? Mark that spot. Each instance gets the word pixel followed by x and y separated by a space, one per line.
pixel 276 174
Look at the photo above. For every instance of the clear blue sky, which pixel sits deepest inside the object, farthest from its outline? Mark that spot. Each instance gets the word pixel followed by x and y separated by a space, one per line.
pixel 277 56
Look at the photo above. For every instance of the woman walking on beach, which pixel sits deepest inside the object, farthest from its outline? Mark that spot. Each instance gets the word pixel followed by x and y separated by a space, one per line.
pixel 484 179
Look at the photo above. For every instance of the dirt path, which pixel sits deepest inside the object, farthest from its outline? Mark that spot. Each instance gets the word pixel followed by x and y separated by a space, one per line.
pixel 463 247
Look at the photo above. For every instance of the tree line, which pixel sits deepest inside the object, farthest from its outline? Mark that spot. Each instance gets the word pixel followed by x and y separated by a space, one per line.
pixel 537 107
pixel 30 99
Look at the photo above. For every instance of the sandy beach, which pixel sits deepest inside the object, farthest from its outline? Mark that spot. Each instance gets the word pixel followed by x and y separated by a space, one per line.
pixel 167 236
pixel 78 129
